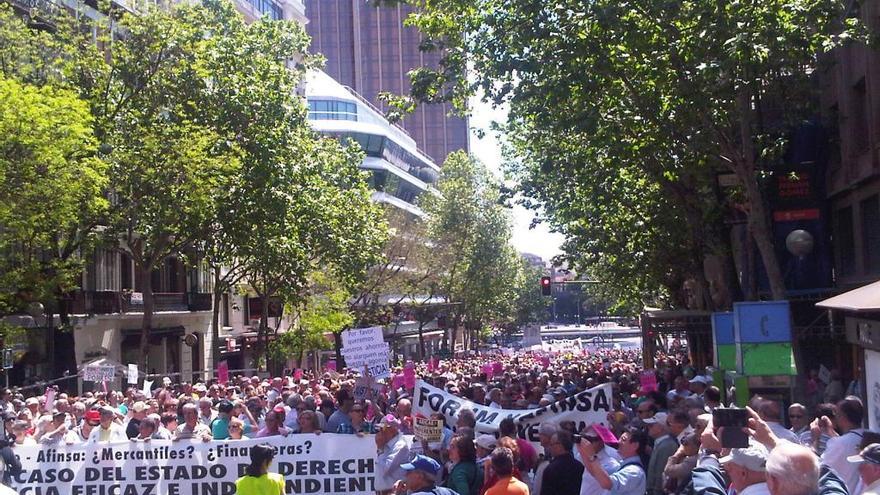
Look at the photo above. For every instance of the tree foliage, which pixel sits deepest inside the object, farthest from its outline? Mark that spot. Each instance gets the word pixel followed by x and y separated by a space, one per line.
pixel 469 233
pixel 666 94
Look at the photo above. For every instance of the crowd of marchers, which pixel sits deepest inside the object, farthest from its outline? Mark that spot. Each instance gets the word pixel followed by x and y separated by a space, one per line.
pixel 661 441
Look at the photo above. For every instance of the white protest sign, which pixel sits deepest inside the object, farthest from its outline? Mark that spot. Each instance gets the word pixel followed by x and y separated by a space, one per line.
pixel 99 374
pixel 824 374
pixel 366 348
pixel 364 384
pixel 430 430
pixel 148 385
pixel 584 408
pixel 132 374
pixel 310 464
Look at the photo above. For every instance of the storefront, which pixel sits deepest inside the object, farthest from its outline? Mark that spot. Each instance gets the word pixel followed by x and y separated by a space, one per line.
pixel 861 311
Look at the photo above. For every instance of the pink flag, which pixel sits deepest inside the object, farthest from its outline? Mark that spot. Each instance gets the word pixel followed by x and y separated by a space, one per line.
pixel 409 375
pixel 648 381
pixel 487 369
pixel 497 369
pixel 396 382
pixel 223 372
pixel 545 361
pixel 298 374
pixel 331 365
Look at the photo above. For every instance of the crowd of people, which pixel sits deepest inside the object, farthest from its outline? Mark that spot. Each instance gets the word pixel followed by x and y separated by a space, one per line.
pixel 660 440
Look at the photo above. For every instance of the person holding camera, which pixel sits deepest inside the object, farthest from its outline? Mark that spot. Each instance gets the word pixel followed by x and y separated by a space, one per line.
pixel 563 474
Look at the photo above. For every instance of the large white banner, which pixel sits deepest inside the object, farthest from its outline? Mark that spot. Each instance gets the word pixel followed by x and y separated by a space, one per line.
pixel 327 463
pixel 584 408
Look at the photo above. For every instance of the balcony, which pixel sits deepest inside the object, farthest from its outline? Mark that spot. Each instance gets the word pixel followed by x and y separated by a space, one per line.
pixel 110 302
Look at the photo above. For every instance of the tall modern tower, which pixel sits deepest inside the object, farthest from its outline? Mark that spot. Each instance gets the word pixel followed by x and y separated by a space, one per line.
pixel 370 50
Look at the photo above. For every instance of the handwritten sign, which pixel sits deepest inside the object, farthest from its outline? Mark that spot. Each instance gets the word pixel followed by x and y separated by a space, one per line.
pixel 430 430
pixel 366 348
pixel 99 373
pixel 132 374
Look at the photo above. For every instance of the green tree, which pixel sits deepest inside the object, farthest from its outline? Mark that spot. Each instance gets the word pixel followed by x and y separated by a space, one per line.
pixel 469 233
pixel 685 86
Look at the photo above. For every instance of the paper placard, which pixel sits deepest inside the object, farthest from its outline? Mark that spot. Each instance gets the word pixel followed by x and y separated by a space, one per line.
pixel 99 373
pixel 148 385
pixel 50 399
pixel 366 347
pixel 132 374
pixel 430 430
pixel 824 374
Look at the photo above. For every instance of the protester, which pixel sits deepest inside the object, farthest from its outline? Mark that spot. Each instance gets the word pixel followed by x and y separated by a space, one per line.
pixel 465 477
pixel 629 478
pixel 848 421
pixel 393 453
pixel 258 480
pixel 563 474
pixel 868 461
pixel 107 430
pixel 421 478
pixel 503 464
pixel 191 428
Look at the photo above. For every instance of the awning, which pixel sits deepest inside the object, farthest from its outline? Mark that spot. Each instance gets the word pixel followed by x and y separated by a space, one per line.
pixel 862 300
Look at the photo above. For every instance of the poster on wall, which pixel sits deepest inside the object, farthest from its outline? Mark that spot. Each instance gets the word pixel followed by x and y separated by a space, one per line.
pixel 872 387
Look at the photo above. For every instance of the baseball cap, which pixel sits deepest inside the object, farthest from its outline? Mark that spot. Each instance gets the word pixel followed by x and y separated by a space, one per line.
pixel 422 463
pixel 660 417
pixel 389 420
pixel 604 433
pixel 869 454
pixel 698 379
pixel 753 457
pixel 93 415
pixel 487 442
pixel 32 401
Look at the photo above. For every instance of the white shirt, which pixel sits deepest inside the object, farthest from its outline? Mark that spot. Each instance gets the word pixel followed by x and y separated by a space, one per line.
pixel 756 489
pixel 388 462
pixel 783 432
pixel 117 434
pixel 836 452
pixel 589 485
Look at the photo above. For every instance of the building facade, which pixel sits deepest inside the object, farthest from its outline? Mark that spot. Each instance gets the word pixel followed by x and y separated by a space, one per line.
pixel 370 50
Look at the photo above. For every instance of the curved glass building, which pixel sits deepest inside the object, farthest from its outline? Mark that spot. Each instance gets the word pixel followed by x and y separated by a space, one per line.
pixel 400 172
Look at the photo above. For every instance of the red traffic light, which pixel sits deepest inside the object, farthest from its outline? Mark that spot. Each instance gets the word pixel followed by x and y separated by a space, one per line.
pixel 545 286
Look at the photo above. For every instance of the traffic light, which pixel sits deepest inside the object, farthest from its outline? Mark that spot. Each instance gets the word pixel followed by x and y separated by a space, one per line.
pixel 545 286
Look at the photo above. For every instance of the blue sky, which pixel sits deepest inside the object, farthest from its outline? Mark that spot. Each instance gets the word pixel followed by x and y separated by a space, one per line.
pixel 539 240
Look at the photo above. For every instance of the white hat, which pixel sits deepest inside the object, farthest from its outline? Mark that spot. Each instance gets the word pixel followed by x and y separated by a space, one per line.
pixel 753 457
pixel 32 400
pixel 487 442
pixel 698 379
pixel 660 417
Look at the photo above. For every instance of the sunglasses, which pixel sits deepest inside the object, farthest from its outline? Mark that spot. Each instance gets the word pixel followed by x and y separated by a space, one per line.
pixel 234 427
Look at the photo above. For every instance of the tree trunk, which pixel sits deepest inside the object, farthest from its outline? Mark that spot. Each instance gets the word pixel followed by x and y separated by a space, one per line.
pixel 263 332
pixel 759 221
pixel 215 319
pixel 147 320
pixel 337 347
pixel 421 340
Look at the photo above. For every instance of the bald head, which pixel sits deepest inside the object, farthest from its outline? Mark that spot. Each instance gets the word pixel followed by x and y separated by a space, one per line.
pixel 792 470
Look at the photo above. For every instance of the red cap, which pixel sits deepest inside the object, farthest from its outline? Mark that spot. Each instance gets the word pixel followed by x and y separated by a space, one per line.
pixel 279 409
pixel 93 415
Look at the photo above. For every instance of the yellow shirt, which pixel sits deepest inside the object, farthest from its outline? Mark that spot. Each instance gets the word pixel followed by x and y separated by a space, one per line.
pixel 267 484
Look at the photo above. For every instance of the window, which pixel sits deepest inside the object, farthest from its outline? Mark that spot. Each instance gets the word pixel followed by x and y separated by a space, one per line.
pixel 224 310
pixel 843 231
pixel 332 110
pixel 870 210
pixel 859 111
